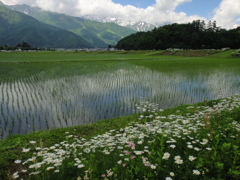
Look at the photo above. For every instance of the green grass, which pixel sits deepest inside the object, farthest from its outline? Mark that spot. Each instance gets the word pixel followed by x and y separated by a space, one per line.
pixel 60 56
pixel 68 56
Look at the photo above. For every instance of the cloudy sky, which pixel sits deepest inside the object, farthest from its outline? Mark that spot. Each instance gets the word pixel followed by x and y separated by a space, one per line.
pixel 160 12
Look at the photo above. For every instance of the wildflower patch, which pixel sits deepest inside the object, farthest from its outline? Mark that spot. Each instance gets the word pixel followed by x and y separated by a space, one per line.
pixel 160 146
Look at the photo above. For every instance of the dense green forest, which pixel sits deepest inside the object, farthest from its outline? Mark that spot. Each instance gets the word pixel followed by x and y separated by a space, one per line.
pixel 195 35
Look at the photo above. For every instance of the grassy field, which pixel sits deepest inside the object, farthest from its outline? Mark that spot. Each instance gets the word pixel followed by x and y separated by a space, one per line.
pixel 49 56
pixel 59 56
pixel 149 144
pixel 35 62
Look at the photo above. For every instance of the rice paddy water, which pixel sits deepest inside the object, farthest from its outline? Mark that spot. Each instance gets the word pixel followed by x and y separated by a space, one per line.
pixel 68 94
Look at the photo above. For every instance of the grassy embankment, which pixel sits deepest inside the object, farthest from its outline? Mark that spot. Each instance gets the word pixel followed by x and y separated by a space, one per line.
pixel 219 161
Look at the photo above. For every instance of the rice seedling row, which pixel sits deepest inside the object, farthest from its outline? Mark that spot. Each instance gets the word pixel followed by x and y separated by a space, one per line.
pixel 70 94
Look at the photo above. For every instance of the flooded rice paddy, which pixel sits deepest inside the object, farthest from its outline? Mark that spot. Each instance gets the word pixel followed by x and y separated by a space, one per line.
pixel 68 94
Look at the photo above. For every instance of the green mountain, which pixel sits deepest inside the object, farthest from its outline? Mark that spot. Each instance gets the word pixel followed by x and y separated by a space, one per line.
pixel 16 27
pixel 97 33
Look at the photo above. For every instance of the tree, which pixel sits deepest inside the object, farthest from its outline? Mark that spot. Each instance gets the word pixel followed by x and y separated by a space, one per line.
pixel 23 45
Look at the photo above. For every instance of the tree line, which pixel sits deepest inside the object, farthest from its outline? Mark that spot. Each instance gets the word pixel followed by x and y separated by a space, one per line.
pixel 194 35
pixel 24 46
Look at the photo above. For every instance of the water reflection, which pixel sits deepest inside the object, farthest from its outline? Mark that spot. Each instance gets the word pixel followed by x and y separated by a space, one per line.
pixel 28 105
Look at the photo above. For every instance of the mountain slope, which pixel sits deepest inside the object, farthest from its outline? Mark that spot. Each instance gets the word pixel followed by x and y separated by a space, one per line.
pixel 97 33
pixel 16 27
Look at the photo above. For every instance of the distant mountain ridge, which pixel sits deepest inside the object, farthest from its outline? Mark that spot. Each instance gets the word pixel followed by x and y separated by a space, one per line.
pixel 16 27
pixel 98 34
pixel 137 26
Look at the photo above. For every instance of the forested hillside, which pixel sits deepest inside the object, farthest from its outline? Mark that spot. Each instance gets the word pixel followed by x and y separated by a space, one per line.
pixel 17 27
pixel 96 33
pixel 195 35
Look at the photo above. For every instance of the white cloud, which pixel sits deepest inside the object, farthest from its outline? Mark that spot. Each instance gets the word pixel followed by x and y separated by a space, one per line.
pixel 160 13
pixel 169 5
pixel 227 14
pixel 13 2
